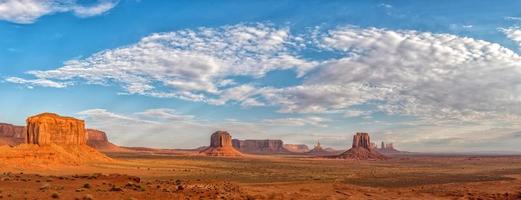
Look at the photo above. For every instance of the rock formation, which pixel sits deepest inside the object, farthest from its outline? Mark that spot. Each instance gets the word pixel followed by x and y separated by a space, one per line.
pixel 49 128
pixel 99 141
pixel 221 145
pixel 361 149
pixel 387 148
pixel 318 150
pixel 51 139
pixel 296 148
pixel 259 146
pixel 11 134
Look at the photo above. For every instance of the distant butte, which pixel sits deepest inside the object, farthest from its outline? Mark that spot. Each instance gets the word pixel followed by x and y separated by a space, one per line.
pixel 361 149
pixel 221 145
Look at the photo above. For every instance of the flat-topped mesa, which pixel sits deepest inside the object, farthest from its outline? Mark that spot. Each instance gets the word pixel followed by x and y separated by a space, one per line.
pixel 259 146
pixel 221 145
pixel 49 128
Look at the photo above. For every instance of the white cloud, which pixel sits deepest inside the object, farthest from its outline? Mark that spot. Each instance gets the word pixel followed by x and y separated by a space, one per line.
pixel 28 11
pixel 37 82
pixel 436 76
pixel 513 33
pixel 190 64
pixel 303 121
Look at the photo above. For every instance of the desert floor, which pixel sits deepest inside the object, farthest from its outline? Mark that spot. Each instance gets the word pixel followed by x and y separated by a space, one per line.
pixel 146 176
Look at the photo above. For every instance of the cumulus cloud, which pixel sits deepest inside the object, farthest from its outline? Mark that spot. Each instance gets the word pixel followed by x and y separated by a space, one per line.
pixel 28 11
pixel 436 77
pixel 433 76
pixel 191 64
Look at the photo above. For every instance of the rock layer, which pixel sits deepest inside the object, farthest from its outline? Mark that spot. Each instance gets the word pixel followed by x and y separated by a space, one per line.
pixel 259 146
pixel 49 128
pixel 221 145
pixel 361 149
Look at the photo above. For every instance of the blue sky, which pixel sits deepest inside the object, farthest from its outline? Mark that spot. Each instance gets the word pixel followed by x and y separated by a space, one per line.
pixel 426 75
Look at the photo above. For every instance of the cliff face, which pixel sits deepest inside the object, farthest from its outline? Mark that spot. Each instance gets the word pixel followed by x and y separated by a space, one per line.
pixel 260 146
pixel 296 148
pixel 9 130
pixel 11 134
pixel 48 128
pixel 221 145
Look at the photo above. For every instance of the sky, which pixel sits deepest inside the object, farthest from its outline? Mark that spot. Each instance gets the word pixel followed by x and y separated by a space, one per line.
pixel 429 76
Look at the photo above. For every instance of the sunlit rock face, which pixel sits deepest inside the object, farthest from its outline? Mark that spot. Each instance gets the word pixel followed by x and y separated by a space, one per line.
pixel 49 128
pixel 221 145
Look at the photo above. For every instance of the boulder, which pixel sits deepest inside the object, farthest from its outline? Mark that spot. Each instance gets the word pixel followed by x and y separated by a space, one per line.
pixel 259 146
pixel 221 145
pixel 296 148
pixel 361 149
pixel 49 128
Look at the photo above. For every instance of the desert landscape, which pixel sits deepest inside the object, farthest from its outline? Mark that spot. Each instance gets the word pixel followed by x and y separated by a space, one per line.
pixel 55 157
pixel 260 100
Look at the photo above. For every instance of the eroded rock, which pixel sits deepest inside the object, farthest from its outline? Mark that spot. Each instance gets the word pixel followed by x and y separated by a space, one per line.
pixel 49 128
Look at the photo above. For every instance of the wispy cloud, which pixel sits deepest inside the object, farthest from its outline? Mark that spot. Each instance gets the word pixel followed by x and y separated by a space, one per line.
pixel 28 11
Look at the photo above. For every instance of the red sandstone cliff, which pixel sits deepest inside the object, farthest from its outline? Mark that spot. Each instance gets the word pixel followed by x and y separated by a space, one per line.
pixel 49 128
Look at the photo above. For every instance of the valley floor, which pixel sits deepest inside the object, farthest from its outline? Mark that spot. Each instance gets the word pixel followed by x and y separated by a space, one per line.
pixel 148 176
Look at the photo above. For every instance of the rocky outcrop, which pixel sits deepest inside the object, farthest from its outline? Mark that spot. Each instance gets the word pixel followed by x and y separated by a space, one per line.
pixel 361 149
pixel 9 130
pixel 259 146
pixel 318 150
pixel 49 128
pixel 11 134
pixel 99 141
pixel 221 145
pixel 296 148
pixel 387 148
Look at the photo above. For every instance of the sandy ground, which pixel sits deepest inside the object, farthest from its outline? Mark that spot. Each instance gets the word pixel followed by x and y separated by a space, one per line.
pixel 145 176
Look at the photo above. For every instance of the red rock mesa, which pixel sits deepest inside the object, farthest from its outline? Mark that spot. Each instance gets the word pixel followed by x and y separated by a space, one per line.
pixel 361 149
pixel 259 146
pixel 11 134
pixel 221 145
pixel 49 128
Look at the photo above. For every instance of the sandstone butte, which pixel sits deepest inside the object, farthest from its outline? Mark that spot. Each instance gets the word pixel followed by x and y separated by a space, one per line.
pixel 50 140
pixel 221 145
pixel 361 149
pixel 49 128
